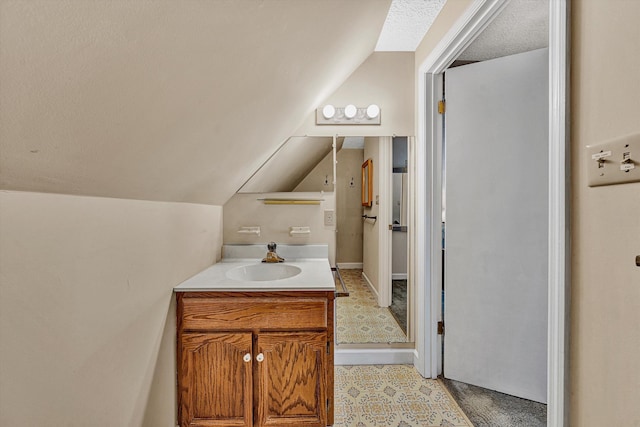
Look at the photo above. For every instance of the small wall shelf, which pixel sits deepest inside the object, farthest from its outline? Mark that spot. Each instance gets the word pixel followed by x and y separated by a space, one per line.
pixel 291 201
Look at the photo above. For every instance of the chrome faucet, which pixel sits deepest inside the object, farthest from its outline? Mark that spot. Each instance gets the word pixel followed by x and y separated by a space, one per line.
pixel 272 256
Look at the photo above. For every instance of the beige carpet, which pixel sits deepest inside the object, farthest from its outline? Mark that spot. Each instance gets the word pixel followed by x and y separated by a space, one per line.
pixel 392 396
pixel 359 319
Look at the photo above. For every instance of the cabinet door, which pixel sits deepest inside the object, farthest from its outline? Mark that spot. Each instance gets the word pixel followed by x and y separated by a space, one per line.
pixel 215 379
pixel 291 380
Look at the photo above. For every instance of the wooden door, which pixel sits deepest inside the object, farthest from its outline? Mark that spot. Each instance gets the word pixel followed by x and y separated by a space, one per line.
pixel 215 379
pixel 291 379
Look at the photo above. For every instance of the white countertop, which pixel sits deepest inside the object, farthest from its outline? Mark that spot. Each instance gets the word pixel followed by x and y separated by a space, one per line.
pixel 315 275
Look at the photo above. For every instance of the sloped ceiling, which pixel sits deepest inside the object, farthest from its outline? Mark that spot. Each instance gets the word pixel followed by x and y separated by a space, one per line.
pixel 165 100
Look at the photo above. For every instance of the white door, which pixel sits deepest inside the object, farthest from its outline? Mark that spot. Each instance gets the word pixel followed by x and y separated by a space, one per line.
pixel 496 224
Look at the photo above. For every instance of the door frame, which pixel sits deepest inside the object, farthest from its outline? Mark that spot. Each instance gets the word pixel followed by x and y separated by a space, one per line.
pixel 428 228
pixel 385 191
pixel 385 238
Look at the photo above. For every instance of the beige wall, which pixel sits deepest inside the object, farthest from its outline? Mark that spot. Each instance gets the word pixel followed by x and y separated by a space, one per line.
pixel 386 79
pixel 319 175
pixel 370 228
pixel 605 309
pixel 275 220
pixel 349 206
pixel 87 323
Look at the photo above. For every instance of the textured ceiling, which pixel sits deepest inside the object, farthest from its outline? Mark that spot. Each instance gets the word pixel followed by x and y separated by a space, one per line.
pixel 522 26
pixel 165 100
pixel 406 24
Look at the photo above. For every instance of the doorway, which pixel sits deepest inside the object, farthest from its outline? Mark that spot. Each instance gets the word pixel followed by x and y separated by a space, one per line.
pixel 373 323
pixel 429 128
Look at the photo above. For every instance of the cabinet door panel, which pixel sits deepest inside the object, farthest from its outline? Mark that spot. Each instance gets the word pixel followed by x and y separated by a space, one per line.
pixel 291 380
pixel 215 382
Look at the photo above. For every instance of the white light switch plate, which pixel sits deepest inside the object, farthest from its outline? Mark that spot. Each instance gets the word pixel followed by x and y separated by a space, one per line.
pixel 613 162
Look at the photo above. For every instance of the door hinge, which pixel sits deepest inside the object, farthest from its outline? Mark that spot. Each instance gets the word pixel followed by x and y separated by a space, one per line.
pixel 442 106
pixel 441 328
pixel 328 347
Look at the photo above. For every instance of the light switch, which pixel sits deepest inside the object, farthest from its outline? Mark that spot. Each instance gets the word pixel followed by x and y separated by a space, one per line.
pixel 613 162
pixel 329 217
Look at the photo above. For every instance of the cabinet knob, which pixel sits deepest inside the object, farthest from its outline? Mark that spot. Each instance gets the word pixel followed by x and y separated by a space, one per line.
pixel 247 357
pixel 260 357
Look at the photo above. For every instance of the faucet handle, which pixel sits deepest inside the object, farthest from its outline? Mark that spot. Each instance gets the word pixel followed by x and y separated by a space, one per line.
pixel 271 247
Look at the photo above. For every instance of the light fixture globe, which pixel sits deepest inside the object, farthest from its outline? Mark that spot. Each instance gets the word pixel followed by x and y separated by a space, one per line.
pixel 373 111
pixel 350 111
pixel 328 111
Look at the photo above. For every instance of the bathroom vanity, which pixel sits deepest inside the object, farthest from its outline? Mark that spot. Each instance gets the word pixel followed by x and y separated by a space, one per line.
pixel 255 344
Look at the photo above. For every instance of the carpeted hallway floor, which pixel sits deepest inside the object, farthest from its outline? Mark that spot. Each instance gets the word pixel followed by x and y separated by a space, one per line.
pixel 488 408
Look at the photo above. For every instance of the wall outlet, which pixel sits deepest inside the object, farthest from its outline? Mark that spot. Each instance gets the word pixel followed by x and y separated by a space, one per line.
pixel 329 217
pixel 613 162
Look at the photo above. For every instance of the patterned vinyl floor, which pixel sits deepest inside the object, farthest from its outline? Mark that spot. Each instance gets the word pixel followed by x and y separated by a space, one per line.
pixel 392 396
pixel 359 319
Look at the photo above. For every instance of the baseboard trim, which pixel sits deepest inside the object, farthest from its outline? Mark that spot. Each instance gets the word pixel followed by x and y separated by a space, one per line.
pixel 350 265
pixel 373 290
pixel 399 276
pixel 395 356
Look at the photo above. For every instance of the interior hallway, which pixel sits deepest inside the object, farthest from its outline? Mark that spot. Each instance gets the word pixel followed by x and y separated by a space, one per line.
pixel 359 318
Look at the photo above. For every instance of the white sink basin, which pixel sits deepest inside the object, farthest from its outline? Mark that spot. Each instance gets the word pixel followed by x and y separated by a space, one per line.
pixel 263 272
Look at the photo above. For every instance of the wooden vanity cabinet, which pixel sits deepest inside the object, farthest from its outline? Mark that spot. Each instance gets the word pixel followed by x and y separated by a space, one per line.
pixel 255 358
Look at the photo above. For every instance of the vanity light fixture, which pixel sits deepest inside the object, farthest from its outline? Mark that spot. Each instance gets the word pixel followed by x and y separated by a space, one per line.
pixel 349 115
pixel 328 111
pixel 350 111
pixel 373 111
